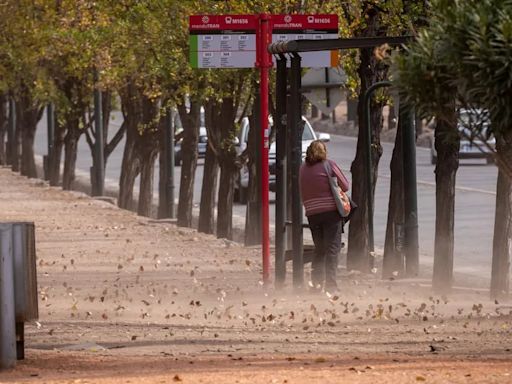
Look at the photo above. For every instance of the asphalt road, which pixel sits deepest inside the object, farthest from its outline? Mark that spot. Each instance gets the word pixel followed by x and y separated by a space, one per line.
pixel 475 197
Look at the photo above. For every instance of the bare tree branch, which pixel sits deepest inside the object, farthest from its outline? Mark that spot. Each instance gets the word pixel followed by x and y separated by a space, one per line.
pixel 115 140
pixel 88 137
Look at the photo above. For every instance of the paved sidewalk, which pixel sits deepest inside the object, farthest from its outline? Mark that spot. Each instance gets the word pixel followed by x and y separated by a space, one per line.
pixel 128 299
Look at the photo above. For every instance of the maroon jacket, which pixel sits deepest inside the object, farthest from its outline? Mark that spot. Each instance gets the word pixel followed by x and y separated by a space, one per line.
pixel 315 189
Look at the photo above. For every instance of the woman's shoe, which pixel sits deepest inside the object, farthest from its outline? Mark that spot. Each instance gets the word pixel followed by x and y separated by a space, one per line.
pixel 332 290
pixel 315 288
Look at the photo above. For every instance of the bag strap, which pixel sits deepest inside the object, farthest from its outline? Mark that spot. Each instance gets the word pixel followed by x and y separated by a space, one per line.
pixel 327 167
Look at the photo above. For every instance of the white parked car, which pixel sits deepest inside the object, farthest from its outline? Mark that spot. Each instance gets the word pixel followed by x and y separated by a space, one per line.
pixel 471 147
pixel 241 187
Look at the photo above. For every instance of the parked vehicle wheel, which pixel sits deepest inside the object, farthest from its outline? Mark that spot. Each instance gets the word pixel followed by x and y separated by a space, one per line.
pixel 240 195
pixel 243 194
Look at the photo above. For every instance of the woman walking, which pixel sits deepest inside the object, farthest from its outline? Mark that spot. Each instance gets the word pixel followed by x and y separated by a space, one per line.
pixel 325 222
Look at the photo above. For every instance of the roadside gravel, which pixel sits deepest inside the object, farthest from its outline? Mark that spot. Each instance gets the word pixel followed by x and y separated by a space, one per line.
pixel 124 298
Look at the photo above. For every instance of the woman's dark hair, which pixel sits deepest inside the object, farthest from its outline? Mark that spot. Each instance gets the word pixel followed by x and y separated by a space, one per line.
pixel 317 151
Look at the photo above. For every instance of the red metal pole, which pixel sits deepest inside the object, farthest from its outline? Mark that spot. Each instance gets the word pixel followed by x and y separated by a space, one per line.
pixel 265 63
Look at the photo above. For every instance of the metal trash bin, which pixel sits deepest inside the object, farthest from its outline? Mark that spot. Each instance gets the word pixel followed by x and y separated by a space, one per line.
pixel 25 280
pixel 7 309
pixel 18 286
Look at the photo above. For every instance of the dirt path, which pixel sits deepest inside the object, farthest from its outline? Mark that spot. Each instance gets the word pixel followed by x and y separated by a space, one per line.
pixel 126 299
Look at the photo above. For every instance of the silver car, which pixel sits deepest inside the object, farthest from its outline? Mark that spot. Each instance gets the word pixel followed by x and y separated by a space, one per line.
pixel 471 147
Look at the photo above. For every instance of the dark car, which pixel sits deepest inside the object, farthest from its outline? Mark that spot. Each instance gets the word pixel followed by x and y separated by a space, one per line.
pixel 201 146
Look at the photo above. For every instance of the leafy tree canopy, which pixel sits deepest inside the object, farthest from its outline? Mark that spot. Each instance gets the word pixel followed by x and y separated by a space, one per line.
pixel 466 53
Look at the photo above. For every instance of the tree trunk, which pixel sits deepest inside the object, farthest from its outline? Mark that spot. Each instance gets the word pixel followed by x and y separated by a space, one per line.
pixel 28 164
pixel 225 199
pixel 210 173
pixel 74 90
pixel 146 184
pixel 253 209
pixel 70 152
pixel 164 209
pixel 223 114
pixel 447 144
pixel 3 128
pixel 106 108
pixel 27 116
pixel 14 148
pixel 502 241
pixel 130 168
pixel 352 107
pixel 56 154
pixel 208 192
pixel 191 122
pixel 358 257
pixel 370 71
pixel 147 146
pixel 163 197
pixel 393 264
pixel 228 169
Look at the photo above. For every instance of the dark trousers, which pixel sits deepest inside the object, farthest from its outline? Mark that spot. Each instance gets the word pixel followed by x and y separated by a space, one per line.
pixel 326 229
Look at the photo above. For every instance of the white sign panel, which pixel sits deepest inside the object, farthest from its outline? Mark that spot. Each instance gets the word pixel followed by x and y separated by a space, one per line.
pixel 319 59
pixel 235 59
pixel 226 43
pixel 212 37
